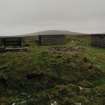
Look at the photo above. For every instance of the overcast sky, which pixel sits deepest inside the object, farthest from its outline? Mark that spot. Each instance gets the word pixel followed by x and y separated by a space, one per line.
pixel 25 16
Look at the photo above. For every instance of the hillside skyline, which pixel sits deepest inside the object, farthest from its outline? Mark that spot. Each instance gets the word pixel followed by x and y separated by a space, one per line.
pixel 28 16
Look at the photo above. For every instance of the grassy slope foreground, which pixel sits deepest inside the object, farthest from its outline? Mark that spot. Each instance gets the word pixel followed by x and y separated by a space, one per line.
pixel 71 74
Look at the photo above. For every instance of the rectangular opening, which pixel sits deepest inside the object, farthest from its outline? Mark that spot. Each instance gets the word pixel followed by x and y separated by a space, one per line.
pixel 12 42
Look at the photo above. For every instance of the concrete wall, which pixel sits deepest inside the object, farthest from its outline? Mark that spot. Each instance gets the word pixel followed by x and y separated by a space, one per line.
pixel 98 40
pixel 11 42
pixel 51 39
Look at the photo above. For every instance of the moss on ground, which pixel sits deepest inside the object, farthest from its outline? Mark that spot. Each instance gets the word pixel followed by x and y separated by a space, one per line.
pixel 71 74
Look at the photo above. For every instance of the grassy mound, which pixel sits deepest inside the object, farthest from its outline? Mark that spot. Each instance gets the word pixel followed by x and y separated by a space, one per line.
pixel 59 75
pixel 72 74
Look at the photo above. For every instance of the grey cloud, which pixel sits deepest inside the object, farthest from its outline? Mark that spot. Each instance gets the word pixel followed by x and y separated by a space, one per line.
pixel 79 15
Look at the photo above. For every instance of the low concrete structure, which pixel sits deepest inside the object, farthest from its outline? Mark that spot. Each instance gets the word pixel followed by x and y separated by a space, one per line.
pixel 98 40
pixel 11 43
pixel 51 39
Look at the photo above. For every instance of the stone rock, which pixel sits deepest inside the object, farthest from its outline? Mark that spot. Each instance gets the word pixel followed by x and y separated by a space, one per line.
pixel 14 103
pixel 78 103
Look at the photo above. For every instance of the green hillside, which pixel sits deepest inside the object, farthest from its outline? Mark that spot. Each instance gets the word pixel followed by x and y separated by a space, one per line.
pixel 70 74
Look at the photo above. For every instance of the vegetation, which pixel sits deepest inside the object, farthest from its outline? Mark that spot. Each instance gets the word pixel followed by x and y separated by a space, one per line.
pixel 70 74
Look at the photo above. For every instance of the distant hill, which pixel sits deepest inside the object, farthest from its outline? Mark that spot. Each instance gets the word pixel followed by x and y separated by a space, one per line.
pixel 55 32
pixel 47 32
